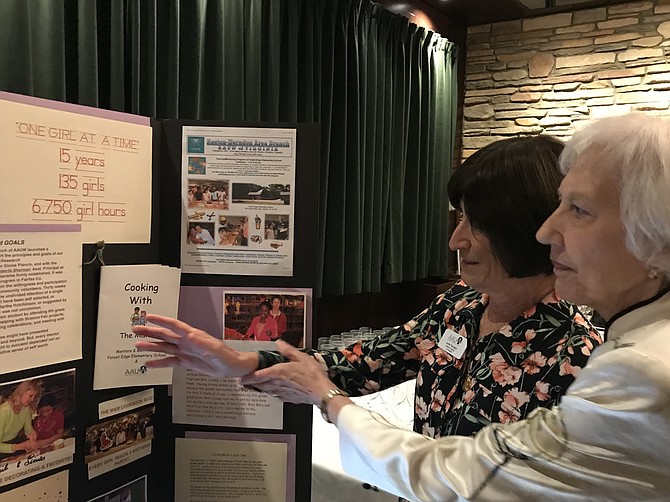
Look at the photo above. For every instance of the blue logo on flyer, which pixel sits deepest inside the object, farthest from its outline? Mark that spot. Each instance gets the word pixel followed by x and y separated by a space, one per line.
pixel 196 144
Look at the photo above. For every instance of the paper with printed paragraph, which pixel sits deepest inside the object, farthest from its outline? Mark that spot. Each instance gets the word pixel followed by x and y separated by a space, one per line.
pixel 40 295
pixel 221 470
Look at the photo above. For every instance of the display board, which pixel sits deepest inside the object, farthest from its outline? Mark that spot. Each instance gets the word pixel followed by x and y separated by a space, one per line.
pixel 100 443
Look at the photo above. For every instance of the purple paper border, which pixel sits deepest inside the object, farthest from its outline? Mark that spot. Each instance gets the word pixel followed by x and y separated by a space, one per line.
pixel 40 227
pixel 80 109
pixel 202 306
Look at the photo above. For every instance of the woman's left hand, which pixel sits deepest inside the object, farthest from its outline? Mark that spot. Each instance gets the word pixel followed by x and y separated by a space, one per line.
pixel 302 380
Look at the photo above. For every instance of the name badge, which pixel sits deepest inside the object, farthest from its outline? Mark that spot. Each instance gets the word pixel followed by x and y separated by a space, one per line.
pixel 453 343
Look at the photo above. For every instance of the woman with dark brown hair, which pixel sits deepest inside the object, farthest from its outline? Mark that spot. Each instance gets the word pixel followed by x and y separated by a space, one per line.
pixel 497 345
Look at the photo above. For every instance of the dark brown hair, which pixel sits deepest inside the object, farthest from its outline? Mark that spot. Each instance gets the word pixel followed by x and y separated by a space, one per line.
pixel 508 189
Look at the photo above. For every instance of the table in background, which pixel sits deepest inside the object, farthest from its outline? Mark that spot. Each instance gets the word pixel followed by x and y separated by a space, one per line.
pixel 329 482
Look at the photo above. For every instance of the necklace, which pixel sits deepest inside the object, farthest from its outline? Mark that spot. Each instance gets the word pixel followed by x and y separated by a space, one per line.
pixel 468 382
pixel 491 321
pixel 486 327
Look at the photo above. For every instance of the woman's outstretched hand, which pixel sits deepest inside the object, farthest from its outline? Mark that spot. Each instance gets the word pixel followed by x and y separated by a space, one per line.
pixel 192 348
pixel 302 380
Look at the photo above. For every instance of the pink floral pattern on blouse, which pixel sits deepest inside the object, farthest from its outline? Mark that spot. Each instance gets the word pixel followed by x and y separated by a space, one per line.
pixel 526 364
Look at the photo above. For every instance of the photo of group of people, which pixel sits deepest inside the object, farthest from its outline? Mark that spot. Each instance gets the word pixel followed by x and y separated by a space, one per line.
pixel 36 415
pixel 109 437
pixel 138 317
pixel 230 231
pixel 276 227
pixel 264 317
pixel 200 233
pixel 207 194
pixel 233 230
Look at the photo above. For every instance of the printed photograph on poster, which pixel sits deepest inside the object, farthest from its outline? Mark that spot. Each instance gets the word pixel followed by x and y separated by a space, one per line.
pixel 53 488
pixel 135 491
pixel 264 316
pixel 201 234
pixel 249 193
pixel 37 422
pixel 40 288
pixel 78 165
pixel 238 201
pixel 204 193
pixel 277 227
pixel 233 230
pixel 197 165
pixel 118 441
pixel 254 471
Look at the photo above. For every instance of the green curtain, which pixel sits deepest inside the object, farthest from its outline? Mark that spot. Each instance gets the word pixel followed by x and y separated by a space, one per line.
pixel 382 89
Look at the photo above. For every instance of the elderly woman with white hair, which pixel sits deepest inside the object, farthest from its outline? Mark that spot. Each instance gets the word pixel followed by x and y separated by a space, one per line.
pixel 608 437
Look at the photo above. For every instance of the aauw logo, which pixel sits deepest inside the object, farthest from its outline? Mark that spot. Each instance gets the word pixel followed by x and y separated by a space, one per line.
pixel 137 371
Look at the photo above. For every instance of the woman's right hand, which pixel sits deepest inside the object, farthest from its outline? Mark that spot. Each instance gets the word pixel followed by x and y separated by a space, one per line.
pixel 28 445
pixel 192 348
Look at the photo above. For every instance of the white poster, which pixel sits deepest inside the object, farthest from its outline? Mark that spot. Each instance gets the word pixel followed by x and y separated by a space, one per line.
pixel 40 295
pixel 66 163
pixel 127 294
pixel 238 190
pixel 230 471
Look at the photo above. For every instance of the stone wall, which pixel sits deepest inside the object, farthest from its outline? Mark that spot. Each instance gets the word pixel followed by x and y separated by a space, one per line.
pixel 548 74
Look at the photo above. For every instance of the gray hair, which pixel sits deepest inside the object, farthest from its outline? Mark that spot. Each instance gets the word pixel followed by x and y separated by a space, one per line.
pixel 639 147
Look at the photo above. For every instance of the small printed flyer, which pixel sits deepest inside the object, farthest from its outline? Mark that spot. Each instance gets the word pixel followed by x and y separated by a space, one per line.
pixel 238 190
pixel 127 294
pixel 40 295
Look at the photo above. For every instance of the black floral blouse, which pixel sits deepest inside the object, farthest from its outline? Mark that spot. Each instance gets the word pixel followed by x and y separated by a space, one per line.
pixel 501 377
